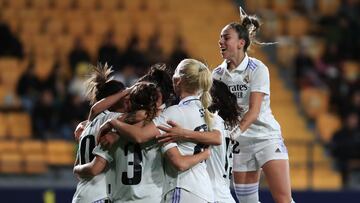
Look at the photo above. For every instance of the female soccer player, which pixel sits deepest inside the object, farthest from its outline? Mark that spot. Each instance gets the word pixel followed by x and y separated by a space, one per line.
pixel 93 188
pixel 184 181
pixel 219 165
pixel 260 144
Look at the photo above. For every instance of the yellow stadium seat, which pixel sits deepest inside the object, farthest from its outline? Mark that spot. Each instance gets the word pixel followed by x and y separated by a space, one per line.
pixel 43 67
pixel 328 7
pixel 92 43
pixel 60 153
pixel 11 163
pixel 9 145
pixel 20 125
pixel 314 101
pixel 327 124
pixel 33 152
pixel 109 5
pixel 351 70
pixel 253 6
pixel 325 178
pixel 18 4
pixel 297 25
pixel 281 6
pixel 63 4
pixel 40 4
pixel 3 121
pixel 30 27
pixel 55 27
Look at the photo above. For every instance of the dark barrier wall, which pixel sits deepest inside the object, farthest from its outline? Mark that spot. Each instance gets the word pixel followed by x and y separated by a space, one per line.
pixel 29 195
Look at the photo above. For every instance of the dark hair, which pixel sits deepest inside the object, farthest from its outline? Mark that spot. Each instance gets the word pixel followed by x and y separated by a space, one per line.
pixel 159 75
pixel 225 103
pixel 143 96
pixel 99 86
pixel 247 29
pixel 109 88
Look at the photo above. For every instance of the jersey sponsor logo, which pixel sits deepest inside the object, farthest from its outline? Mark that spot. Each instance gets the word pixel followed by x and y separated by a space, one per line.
pixel 238 90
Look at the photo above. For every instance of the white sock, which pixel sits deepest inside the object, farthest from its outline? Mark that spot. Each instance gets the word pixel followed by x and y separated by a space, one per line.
pixel 247 193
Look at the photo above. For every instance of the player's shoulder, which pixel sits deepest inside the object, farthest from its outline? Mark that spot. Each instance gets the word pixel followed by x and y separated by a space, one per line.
pixel 255 64
pixel 172 110
pixel 219 71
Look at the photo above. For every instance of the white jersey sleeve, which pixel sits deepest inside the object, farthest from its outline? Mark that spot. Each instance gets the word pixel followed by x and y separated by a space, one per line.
pixel 260 81
pixel 162 119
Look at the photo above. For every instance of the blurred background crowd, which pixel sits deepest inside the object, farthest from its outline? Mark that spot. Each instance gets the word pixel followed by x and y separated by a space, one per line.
pixel 46 47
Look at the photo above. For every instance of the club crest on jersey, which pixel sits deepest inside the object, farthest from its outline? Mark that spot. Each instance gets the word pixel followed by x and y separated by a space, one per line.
pixel 247 79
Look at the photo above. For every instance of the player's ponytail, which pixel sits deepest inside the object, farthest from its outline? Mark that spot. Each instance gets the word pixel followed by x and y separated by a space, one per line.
pixel 99 86
pixel 205 83
pixel 247 29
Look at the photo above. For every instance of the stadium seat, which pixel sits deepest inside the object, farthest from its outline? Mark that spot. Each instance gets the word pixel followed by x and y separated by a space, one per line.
pixel 297 25
pixel 325 178
pixel 19 125
pixel 40 4
pixel 3 121
pixel 60 153
pixel 18 4
pixel 109 5
pixel 33 152
pixel 88 5
pixel 30 27
pixel 315 101
pixel 328 7
pixel 281 6
pixel 11 163
pixel 351 70
pixel 54 27
pixel 255 5
pixel 9 145
pixel 43 67
pixel 326 125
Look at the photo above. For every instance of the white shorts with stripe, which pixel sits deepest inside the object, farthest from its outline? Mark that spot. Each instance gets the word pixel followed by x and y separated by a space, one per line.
pixel 250 154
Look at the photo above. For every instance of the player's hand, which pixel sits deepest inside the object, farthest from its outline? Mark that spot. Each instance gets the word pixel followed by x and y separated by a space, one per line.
pixel 108 140
pixel 174 133
pixel 79 129
pixel 207 152
pixel 104 129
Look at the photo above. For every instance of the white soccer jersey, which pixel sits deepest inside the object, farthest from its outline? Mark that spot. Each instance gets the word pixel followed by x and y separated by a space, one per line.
pixel 136 174
pixel 218 164
pixel 251 76
pixel 189 114
pixel 94 189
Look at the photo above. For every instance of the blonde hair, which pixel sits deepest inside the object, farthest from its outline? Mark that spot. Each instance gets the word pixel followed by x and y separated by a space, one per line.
pixel 96 81
pixel 197 77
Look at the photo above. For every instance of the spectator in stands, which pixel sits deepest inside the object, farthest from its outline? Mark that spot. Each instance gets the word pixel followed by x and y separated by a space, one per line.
pixel 28 87
pixel 69 119
pixel 154 52
pixel 45 116
pixel 134 57
pixel 345 145
pixel 109 52
pixel 10 44
pixel 178 54
pixel 78 54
